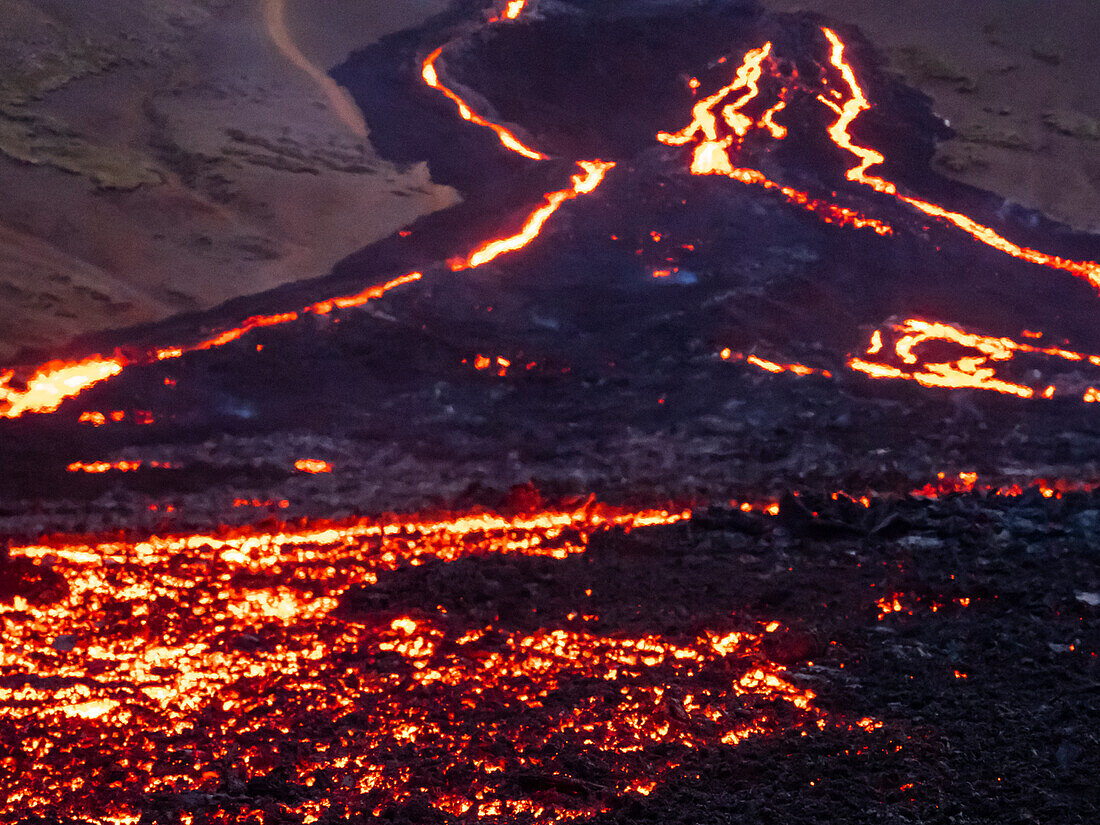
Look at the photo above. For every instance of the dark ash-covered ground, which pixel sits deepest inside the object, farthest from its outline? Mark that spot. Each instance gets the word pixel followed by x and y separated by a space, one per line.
pixel 1014 742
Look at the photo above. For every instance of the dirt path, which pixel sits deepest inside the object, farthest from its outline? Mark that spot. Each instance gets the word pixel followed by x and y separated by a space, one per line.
pixel 274 12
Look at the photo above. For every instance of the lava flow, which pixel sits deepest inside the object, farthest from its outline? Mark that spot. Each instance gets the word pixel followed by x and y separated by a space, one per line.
pixel 711 154
pixel 172 659
pixel 507 138
pixel 771 366
pixel 592 173
pixel 974 369
pixel 44 389
pixel 47 387
pixel 839 132
pixel 50 385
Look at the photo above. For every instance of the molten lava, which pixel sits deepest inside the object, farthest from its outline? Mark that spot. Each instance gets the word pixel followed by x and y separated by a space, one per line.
pixel 720 123
pixel 771 366
pixel 52 383
pixel 584 182
pixel 839 132
pixel 56 381
pixel 312 465
pixel 507 138
pixel 712 153
pixel 974 369
pixel 179 658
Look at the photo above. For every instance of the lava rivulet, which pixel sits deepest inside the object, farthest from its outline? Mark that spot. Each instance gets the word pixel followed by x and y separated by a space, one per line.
pixel 771 366
pixel 510 12
pixel 507 138
pixel 51 384
pixel 591 174
pixel 215 643
pixel 711 154
pixel 123 466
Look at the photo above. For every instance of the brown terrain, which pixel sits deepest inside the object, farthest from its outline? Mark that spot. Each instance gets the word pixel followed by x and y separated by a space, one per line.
pixel 162 156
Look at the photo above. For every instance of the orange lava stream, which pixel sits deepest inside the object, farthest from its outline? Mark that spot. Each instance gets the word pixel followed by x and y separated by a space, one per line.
pixel 584 182
pixel 846 115
pixel 704 120
pixel 711 155
pixel 119 466
pixel 175 657
pixel 853 107
pixel 828 212
pixel 771 366
pixel 52 383
pixel 968 371
pixel 507 139
pixel 57 381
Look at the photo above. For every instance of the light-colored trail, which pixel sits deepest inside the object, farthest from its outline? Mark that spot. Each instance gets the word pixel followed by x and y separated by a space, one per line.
pixel 339 99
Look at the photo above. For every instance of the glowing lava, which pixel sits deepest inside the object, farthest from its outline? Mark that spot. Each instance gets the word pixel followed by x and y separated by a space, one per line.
pixel 507 139
pixel 712 153
pixel 312 465
pixel 705 122
pixel 220 650
pixel 771 366
pixel 974 369
pixel 584 182
pixel 52 383
pixel 56 381
pixel 839 132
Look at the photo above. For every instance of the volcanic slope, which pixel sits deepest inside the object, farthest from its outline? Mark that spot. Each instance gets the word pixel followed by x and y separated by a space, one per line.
pixel 682 311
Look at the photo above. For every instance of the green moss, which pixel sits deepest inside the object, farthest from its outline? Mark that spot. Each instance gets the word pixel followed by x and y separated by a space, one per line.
pixel 43 142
